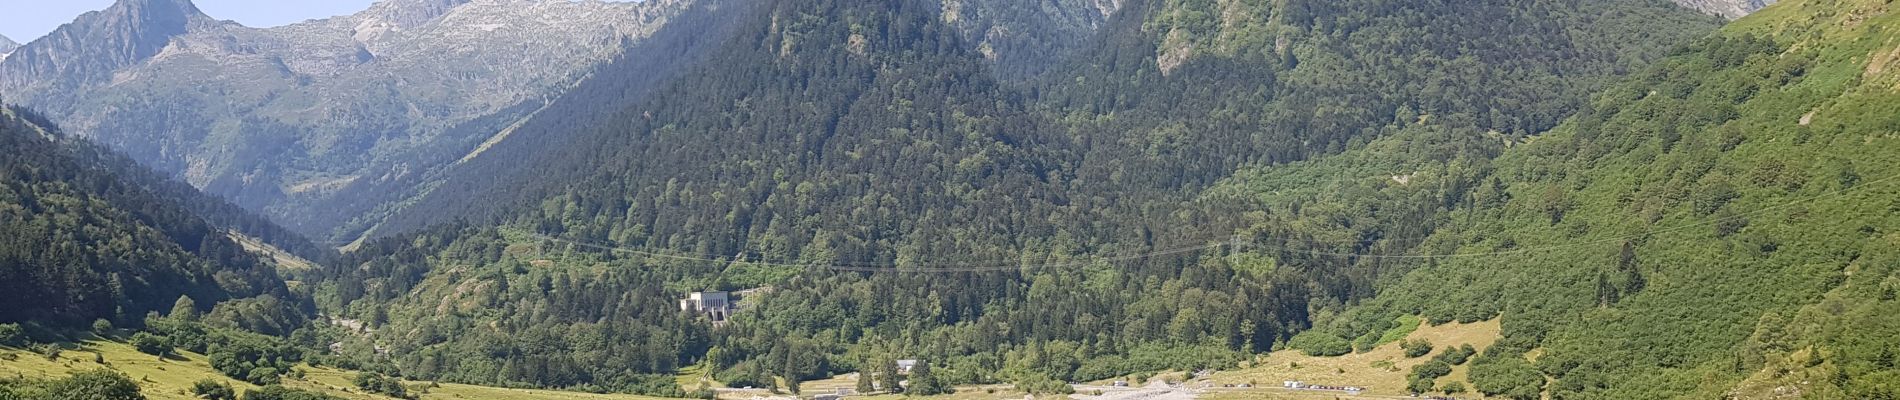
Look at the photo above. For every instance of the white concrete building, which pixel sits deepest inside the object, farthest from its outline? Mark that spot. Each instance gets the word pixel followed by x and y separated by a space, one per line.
pixel 716 305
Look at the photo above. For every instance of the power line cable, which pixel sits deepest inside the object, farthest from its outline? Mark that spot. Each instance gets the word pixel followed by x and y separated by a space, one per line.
pixel 896 268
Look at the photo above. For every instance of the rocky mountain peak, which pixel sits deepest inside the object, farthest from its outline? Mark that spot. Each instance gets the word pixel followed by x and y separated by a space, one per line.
pixel 409 13
pixel 126 33
pixel 395 15
pixel 309 121
pixel 161 16
pixel 6 47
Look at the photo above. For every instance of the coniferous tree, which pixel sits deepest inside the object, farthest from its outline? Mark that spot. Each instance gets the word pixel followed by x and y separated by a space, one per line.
pixel 924 382
pixel 184 309
pixel 887 378
pixel 866 382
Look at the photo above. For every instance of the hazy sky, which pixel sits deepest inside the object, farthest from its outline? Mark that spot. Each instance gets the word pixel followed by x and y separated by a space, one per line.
pixel 25 20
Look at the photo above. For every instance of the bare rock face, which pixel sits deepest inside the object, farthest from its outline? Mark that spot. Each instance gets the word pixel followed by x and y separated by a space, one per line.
pixel 1022 38
pixel 100 42
pixel 1730 9
pixel 318 122
pixel 6 47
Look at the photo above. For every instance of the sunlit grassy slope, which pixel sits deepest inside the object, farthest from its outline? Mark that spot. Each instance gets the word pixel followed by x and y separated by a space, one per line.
pixel 171 378
pixel 1382 370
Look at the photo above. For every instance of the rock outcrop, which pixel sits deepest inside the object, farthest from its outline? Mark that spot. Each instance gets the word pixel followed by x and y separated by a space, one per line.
pixel 1730 9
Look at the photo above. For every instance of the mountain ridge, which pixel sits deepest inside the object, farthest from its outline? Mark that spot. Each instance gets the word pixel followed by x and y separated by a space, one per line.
pixel 146 27
pixel 6 47
pixel 319 122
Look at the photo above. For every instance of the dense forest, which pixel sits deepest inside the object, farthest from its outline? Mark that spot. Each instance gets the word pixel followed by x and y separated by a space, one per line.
pixel 91 235
pixel 95 243
pixel 821 133
pixel 1652 208
pixel 1716 224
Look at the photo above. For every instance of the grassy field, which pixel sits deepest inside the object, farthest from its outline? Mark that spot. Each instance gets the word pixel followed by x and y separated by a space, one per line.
pixel 963 393
pixel 1382 371
pixel 691 378
pixel 849 382
pixel 170 379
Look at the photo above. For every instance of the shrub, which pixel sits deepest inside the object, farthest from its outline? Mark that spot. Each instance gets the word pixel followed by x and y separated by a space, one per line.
pixel 96 385
pixel 745 374
pixel 1320 344
pixel 264 376
pixel 254 358
pixel 1420 385
pixel 1456 356
pixel 102 327
pixel 151 344
pixel 274 392
pixel 1507 377
pixel 705 393
pixel 180 334
pixel 213 390
pixel 1416 348
pixel 12 336
pixel 49 350
pixel 1432 369
pixel 1037 384
pixel 378 383
pixel 1454 387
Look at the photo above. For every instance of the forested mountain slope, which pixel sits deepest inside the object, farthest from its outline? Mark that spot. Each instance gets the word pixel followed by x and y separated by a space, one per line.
pixel 331 125
pixel 1271 87
pixel 91 235
pixel 321 124
pixel 844 107
pixel 816 134
pixel 1233 83
pixel 1719 225
pixel 809 86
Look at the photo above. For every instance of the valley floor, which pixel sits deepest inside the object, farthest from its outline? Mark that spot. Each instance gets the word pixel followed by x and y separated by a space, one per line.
pixel 171 378
pixel 1382 371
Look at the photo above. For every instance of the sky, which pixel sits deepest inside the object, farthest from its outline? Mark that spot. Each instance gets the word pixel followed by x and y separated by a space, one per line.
pixel 25 20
